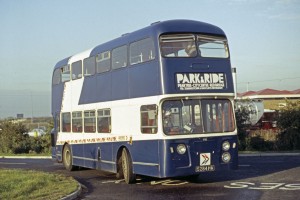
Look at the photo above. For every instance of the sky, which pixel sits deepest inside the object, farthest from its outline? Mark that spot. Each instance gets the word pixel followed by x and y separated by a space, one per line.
pixel 263 38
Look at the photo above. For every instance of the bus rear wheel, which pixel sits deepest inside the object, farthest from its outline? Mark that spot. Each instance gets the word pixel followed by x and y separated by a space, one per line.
pixel 127 168
pixel 68 158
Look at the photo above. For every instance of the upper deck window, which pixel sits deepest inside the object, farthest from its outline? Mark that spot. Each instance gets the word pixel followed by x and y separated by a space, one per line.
pixel 182 45
pixel 56 79
pixel 77 70
pixel 142 51
pixel 190 45
pixel 89 66
pixel 212 47
pixel 65 73
pixel 103 62
pixel 119 57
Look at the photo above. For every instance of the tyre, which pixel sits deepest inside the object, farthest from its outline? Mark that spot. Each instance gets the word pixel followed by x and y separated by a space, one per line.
pixel 119 174
pixel 68 158
pixel 129 176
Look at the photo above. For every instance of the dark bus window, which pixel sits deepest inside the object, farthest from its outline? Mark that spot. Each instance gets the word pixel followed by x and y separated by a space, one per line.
pixel 103 62
pixel 178 45
pixel 76 70
pixel 66 122
pixel 142 51
pixel 89 121
pixel 77 122
pixel 56 76
pixel 197 116
pixel 65 73
pixel 149 118
pixel 89 66
pixel 212 47
pixel 119 57
pixel 104 121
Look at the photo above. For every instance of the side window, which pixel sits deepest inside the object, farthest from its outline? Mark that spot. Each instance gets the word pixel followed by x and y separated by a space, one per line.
pixel 77 122
pixel 119 57
pixel 149 118
pixel 89 121
pixel 66 122
pixel 104 121
pixel 142 51
pixel 56 79
pixel 89 66
pixel 103 62
pixel 76 70
pixel 65 73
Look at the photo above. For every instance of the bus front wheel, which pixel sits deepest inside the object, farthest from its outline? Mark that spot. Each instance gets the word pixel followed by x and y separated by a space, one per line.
pixel 129 176
pixel 68 158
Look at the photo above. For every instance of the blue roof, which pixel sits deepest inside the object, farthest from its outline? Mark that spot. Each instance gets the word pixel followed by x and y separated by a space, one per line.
pixel 62 62
pixel 154 30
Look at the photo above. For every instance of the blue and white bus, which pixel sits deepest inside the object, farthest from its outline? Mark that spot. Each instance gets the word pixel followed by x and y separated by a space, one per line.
pixel 155 102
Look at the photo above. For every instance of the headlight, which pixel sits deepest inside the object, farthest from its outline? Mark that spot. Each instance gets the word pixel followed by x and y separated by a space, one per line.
pixel 181 149
pixel 226 157
pixel 226 146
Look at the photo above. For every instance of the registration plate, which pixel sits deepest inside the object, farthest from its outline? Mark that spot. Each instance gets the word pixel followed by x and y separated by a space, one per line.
pixel 207 168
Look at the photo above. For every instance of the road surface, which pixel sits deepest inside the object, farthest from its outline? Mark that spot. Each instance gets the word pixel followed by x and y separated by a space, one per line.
pixel 267 177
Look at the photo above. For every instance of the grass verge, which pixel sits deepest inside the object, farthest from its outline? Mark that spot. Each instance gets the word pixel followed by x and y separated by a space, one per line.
pixel 24 184
pixel 25 154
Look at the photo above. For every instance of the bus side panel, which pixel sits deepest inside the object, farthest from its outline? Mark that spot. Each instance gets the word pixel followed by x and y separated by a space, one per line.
pixel 119 84
pixel 103 89
pixel 77 151
pixel 144 80
pixel 88 90
pixel 145 157
pixel 106 162
pixel 98 156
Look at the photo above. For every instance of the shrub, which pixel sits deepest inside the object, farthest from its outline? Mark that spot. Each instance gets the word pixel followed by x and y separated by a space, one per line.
pixel 289 123
pixel 257 143
pixel 242 122
pixel 13 140
pixel 11 137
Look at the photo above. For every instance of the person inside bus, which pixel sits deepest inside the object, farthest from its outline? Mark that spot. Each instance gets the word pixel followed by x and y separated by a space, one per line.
pixel 169 127
pixel 167 122
pixel 190 49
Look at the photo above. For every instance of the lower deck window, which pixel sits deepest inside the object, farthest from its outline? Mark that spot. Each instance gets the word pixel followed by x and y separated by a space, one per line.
pixel 89 121
pixel 77 122
pixel 104 121
pixel 66 122
pixel 149 119
pixel 197 116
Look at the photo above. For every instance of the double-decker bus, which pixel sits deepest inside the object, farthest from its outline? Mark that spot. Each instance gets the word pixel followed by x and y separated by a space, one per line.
pixel 155 102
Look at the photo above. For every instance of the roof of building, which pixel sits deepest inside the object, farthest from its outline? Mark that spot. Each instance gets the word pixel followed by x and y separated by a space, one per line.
pixel 270 93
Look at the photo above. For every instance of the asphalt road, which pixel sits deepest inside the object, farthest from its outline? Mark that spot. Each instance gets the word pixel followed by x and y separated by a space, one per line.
pixel 267 177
